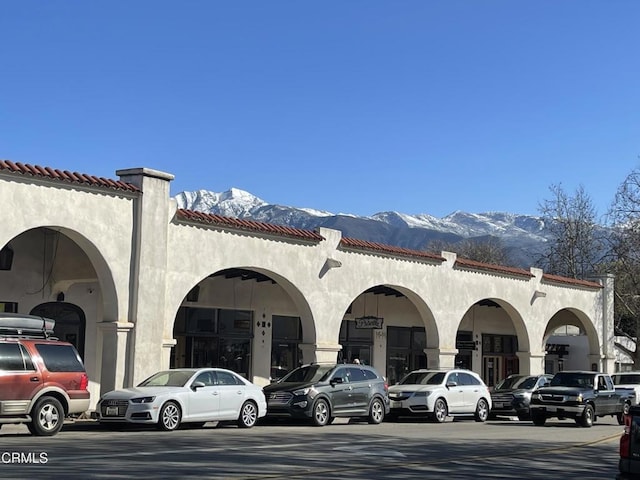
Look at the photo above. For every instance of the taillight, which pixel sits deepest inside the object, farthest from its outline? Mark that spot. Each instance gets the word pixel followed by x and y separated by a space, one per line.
pixel 625 439
pixel 84 381
pixel 625 444
pixel 386 387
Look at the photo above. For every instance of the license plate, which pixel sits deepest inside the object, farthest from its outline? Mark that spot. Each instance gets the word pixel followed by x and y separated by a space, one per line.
pixel 395 404
pixel 112 411
pixel 499 405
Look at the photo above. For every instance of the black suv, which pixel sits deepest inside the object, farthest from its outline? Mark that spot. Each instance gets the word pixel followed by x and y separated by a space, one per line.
pixel 42 379
pixel 321 392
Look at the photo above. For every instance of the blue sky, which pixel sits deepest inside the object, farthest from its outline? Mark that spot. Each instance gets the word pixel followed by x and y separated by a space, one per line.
pixel 352 106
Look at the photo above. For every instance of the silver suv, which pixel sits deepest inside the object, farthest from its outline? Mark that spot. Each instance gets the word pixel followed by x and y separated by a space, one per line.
pixel 321 392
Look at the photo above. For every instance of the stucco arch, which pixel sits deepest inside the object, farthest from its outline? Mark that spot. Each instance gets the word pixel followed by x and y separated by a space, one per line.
pixel 577 318
pixel 178 294
pixel 103 272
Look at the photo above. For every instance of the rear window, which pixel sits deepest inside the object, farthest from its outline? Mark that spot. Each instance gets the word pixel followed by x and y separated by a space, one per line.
pixel 60 358
pixel 626 378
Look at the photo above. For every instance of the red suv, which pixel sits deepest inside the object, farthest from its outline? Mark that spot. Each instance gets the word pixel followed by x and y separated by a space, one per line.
pixel 42 379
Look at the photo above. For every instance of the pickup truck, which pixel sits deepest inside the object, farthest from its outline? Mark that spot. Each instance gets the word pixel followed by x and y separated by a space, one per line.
pixel 628 380
pixel 581 395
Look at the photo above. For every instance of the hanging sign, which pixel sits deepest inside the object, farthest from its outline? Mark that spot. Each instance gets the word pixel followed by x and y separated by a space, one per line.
pixel 369 322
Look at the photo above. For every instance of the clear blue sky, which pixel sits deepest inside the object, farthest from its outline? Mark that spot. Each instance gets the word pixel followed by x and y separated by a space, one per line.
pixel 354 106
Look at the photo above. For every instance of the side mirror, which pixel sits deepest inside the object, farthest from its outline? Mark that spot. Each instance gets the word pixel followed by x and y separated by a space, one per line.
pixel 196 385
pixel 336 380
pixel 452 384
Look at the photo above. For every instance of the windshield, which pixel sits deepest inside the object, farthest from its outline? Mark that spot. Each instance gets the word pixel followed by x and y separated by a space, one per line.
pixel 169 378
pixel 423 378
pixel 572 379
pixel 307 374
pixel 517 382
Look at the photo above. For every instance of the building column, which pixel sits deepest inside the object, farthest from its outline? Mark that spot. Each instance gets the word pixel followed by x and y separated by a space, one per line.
pixel 530 364
pixel 325 353
pixel 441 358
pixel 115 340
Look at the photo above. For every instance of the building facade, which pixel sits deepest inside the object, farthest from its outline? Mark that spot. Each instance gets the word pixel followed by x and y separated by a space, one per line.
pixel 139 285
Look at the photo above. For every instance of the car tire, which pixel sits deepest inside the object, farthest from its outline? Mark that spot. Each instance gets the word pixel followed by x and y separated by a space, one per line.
pixel 47 417
pixel 169 418
pixel 482 411
pixel 440 410
pixel 538 420
pixel 586 419
pixel 321 413
pixel 248 415
pixel 376 412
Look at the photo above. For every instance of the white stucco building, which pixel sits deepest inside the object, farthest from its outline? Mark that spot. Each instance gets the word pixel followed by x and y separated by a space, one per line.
pixel 139 285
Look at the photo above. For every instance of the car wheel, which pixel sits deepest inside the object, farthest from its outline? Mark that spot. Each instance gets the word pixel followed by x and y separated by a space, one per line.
pixel 538 420
pixel 440 410
pixel 376 412
pixel 482 411
pixel 248 415
pixel 47 417
pixel 169 416
pixel 586 420
pixel 321 413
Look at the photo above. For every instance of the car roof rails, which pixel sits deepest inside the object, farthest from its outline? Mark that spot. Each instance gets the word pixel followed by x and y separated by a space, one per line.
pixel 26 326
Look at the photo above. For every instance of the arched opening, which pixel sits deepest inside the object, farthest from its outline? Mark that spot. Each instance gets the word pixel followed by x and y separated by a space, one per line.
pixel 489 339
pixel 571 343
pixel 70 320
pixel 246 320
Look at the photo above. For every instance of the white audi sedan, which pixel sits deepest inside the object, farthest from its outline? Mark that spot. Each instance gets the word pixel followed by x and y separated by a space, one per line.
pixel 187 395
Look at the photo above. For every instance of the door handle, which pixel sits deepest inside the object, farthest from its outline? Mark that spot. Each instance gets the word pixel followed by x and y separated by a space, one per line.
pixel 34 379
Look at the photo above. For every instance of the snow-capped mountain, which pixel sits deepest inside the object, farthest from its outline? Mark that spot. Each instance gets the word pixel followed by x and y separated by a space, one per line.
pixel 522 235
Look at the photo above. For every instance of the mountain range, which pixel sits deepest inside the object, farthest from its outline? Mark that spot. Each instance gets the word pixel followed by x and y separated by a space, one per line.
pixel 522 236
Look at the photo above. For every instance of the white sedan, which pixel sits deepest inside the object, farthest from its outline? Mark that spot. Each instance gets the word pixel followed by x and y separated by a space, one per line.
pixel 187 395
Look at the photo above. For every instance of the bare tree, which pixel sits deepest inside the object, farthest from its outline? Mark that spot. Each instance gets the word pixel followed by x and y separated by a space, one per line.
pixel 624 217
pixel 483 249
pixel 577 244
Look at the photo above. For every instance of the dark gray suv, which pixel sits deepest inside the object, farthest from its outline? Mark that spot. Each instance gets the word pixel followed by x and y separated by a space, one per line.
pixel 321 392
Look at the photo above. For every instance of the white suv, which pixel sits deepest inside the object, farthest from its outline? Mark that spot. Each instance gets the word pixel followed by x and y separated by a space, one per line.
pixel 438 394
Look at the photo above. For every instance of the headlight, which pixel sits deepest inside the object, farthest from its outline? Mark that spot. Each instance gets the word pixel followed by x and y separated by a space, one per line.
pixel 579 398
pixel 422 394
pixel 143 400
pixel 535 396
pixel 302 391
pixel 521 395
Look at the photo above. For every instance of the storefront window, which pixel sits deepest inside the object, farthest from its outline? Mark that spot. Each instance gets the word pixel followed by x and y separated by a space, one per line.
pixel 405 351
pixel 209 337
pixel 356 343
pixel 285 349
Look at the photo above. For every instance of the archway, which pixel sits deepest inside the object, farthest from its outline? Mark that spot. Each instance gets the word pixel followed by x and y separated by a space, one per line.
pixel 70 320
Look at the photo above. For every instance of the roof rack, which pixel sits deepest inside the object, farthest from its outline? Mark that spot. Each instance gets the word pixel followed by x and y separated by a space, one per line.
pixel 26 326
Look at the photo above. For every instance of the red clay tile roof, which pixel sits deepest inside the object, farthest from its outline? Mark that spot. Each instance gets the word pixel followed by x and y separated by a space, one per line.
pixel 569 281
pixel 249 225
pixel 473 265
pixel 354 243
pixel 65 176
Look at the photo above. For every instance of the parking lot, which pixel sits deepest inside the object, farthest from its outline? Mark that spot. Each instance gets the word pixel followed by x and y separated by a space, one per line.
pixel 410 449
